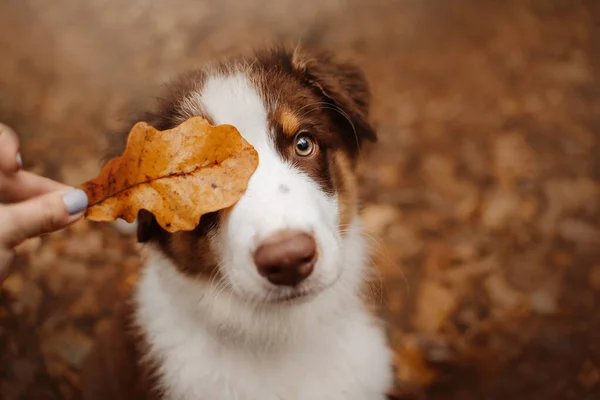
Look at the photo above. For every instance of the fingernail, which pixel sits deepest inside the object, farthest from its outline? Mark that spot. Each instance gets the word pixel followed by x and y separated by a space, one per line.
pixel 19 160
pixel 75 201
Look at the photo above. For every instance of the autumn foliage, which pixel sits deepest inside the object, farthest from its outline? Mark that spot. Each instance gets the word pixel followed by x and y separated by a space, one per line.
pixel 178 174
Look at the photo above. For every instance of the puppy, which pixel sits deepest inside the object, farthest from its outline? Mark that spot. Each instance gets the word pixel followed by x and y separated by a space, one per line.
pixel 262 301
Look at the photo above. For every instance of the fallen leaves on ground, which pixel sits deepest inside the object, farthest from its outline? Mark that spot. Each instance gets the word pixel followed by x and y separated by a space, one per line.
pixel 178 175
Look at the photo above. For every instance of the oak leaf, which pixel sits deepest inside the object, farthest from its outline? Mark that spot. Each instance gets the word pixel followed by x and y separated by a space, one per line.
pixel 178 175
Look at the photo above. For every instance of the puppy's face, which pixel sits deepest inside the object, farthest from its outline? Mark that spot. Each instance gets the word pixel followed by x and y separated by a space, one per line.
pixel 306 115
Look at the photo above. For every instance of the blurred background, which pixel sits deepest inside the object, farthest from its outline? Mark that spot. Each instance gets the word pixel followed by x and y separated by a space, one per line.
pixel 482 197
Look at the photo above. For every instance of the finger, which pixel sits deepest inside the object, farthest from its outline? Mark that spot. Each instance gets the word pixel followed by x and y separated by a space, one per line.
pixel 24 185
pixel 10 159
pixel 43 214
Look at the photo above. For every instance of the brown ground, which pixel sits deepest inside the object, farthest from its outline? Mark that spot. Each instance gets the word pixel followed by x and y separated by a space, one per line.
pixel 482 197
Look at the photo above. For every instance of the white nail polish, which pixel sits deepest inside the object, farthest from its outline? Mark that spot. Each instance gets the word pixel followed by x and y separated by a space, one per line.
pixel 75 201
pixel 19 160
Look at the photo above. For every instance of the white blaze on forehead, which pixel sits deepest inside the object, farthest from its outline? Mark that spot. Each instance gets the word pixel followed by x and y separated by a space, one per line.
pixel 234 100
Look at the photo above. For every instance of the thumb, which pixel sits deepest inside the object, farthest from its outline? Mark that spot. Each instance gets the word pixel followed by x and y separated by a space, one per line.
pixel 39 215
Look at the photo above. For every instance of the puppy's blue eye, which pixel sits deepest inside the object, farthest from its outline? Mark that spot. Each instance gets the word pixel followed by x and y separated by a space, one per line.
pixel 305 146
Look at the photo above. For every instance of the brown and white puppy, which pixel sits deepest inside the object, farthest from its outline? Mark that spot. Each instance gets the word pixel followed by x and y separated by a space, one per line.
pixel 261 301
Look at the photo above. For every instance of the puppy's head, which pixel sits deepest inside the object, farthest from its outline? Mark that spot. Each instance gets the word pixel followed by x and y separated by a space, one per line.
pixel 307 116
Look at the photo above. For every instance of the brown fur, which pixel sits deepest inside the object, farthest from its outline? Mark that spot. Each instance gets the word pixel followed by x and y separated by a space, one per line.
pixel 345 180
pixel 289 122
pixel 330 102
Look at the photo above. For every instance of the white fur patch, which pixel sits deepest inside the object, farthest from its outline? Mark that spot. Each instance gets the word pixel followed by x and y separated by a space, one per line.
pixel 223 340
pixel 210 344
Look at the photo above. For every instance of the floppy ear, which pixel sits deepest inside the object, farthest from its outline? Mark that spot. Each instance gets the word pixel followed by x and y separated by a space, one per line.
pixel 341 84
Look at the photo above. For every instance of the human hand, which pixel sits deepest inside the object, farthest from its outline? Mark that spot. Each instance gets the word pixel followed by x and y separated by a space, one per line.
pixel 30 205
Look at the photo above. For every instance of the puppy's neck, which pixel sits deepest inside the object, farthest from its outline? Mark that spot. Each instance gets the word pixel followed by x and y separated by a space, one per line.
pixel 167 299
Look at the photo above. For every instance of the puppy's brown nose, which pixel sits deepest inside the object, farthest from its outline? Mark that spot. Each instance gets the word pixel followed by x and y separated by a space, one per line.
pixel 287 258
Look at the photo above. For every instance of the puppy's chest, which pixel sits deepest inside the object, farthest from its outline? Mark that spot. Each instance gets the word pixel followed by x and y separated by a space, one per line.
pixel 199 368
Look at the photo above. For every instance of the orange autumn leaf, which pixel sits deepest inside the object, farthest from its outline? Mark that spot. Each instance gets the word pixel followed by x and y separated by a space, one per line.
pixel 178 175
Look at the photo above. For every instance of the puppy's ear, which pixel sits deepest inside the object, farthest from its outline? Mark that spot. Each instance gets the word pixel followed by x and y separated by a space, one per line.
pixel 343 85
